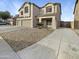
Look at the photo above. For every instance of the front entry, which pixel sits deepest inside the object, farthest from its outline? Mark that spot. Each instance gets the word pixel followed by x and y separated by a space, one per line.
pixel 47 22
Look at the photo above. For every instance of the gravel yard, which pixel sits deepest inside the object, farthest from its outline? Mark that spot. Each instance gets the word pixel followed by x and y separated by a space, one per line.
pixel 24 37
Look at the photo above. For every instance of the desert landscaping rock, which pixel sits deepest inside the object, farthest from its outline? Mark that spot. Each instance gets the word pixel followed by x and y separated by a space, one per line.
pixel 61 44
pixel 21 37
pixel 9 28
pixel 6 52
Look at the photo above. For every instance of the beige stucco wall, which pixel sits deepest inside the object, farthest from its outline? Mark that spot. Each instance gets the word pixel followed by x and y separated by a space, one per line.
pixel 55 9
pixel 72 24
pixel 43 10
pixel 58 15
pixel 59 12
pixel 57 18
pixel 76 15
pixel 35 13
pixel 54 23
pixel 23 9
pixel 24 21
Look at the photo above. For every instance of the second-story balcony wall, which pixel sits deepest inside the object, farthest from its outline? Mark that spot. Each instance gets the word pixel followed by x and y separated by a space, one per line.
pixel 50 9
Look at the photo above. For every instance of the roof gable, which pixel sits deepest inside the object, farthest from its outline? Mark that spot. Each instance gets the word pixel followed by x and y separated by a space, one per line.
pixel 52 4
pixel 28 3
pixel 38 6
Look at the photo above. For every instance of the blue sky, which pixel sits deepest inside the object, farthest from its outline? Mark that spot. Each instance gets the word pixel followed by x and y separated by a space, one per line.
pixel 13 6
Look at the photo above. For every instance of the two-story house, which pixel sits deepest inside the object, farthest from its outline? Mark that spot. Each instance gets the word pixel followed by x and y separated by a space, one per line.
pixel 76 14
pixel 30 15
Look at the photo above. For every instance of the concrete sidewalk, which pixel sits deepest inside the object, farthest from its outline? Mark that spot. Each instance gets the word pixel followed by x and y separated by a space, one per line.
pixel 6 51
pixel 60 44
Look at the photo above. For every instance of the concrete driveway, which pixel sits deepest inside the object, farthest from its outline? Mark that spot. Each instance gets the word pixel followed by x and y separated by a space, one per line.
pixel 60 44
pixel 6 51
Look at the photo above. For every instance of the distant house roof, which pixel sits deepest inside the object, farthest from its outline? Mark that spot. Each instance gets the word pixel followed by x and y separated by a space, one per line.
pixel 38 6
pixel 75 6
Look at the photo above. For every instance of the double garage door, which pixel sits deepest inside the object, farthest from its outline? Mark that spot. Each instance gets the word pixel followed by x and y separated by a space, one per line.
pixel 25 23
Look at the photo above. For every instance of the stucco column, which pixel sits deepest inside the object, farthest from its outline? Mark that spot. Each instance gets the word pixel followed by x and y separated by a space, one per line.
pixel 45 25
pixel 39 20
pixel 54 26
pixel 72 24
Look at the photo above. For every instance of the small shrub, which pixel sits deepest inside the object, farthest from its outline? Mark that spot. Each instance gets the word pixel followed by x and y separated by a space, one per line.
pixel 40 25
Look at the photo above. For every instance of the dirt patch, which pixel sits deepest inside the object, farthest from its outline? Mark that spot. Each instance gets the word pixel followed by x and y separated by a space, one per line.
pixel 25 37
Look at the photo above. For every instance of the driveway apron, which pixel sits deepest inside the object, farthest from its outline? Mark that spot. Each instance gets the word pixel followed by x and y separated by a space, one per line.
pixel 6 51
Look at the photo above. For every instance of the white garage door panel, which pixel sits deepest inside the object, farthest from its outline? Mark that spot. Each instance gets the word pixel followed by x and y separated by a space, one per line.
pixel 26 23
pixel 18 23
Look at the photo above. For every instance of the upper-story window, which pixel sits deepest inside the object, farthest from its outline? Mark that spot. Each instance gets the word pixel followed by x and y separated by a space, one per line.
pixel 49 9
pixel 26 9
pixel 21 12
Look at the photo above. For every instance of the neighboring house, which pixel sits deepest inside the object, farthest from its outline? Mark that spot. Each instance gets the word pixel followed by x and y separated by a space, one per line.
pixel 76 14
pixel 2 22
pixel 30 15
pixel 11 21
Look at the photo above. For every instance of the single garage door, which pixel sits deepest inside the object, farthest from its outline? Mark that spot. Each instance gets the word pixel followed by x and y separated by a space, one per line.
pixel 18 23
pixel 26 23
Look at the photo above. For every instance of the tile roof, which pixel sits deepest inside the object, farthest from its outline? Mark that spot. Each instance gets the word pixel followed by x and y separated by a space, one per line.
pixel 28 3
